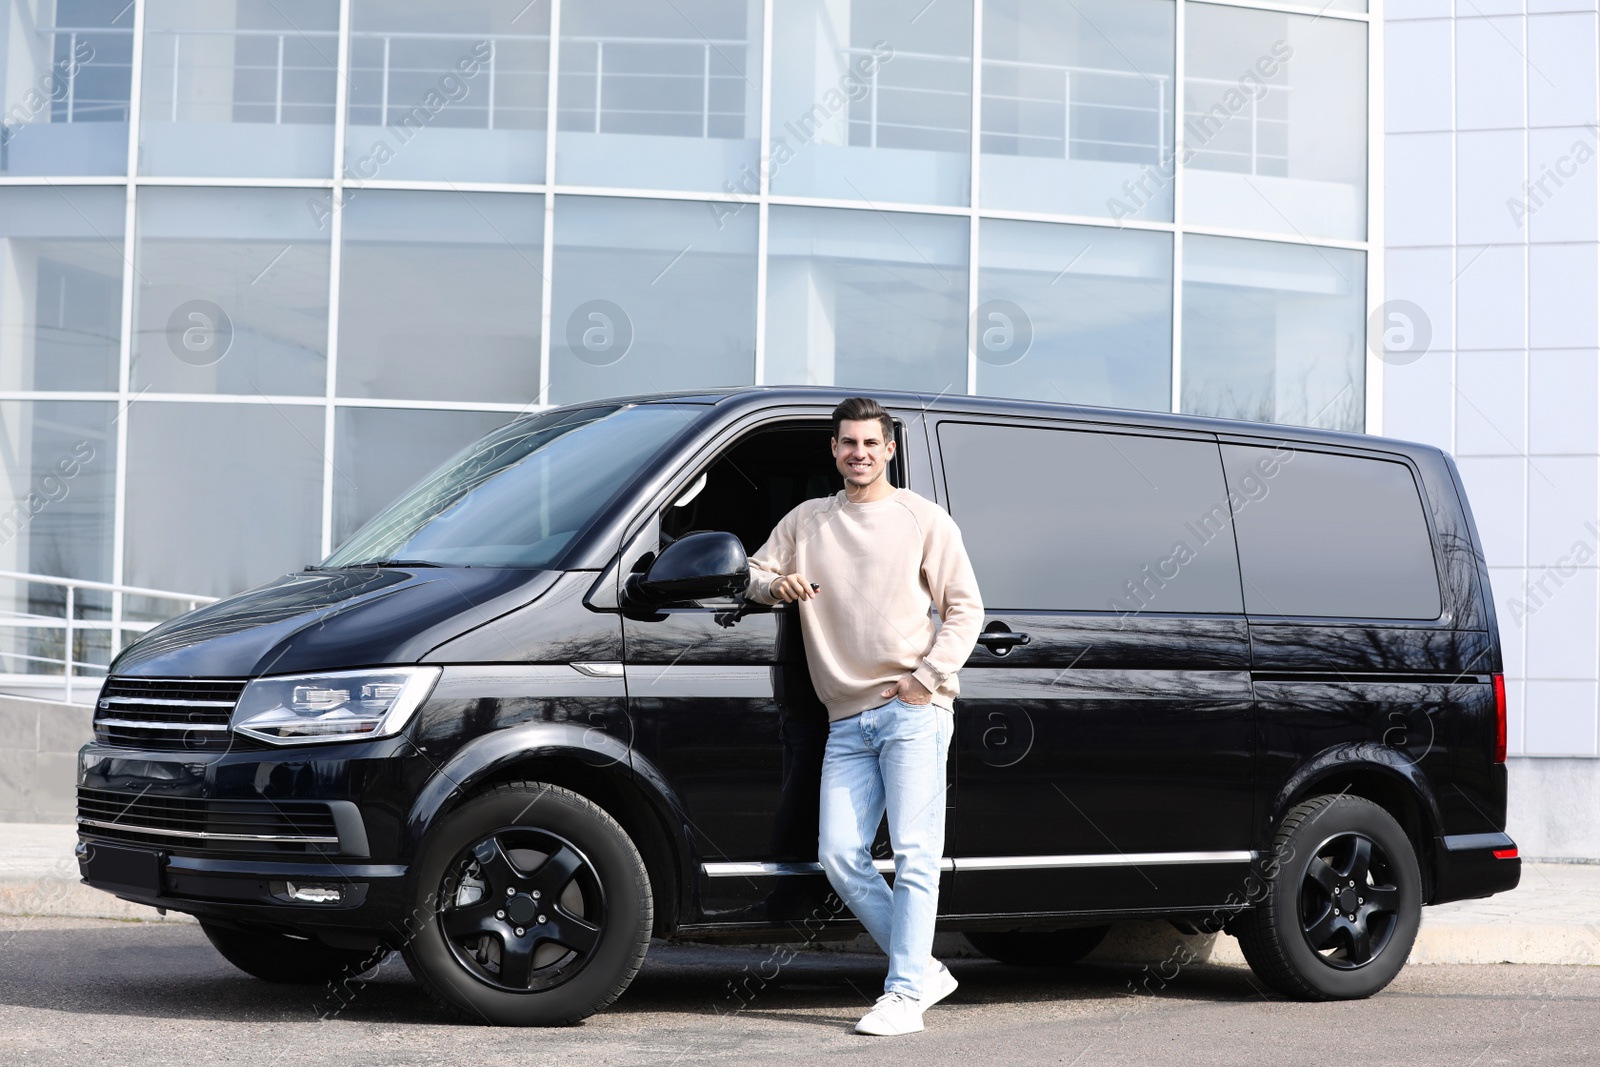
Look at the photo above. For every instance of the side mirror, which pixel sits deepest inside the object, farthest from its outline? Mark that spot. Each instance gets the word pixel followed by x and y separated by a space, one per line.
pixel 697 566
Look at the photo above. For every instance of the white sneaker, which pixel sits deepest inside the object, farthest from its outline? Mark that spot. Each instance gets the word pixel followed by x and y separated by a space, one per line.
pixel 894 1014
pixel 937 984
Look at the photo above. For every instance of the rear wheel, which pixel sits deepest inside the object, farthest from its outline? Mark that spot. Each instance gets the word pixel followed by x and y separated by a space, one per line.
pixel 1049 948
pixel 536 908
pixel 1339 918
pixel 274 957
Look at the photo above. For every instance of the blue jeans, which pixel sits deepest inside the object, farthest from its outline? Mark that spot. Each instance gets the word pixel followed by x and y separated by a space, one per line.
pixel 890 756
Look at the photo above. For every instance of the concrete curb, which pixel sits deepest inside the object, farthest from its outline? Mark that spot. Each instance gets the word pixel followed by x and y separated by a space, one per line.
pixel 71 899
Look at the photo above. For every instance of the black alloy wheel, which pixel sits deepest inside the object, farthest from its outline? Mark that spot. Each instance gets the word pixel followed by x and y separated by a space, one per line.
pixel 1349 902
pixel 523 909
pixel 535 908
pixel 1339 902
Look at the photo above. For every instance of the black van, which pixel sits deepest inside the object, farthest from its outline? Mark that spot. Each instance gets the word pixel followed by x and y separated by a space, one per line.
pixel 1238 676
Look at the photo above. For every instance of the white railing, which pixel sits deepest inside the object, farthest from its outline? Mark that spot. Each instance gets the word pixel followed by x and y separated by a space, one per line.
pixel 1043 110
pixel 691 87
pixel 690 95
pixel 74 105
pixel 1262 132
pixel 675 86
pixel 29 661
pixel 268 81
pixel 1060 111
pixel 1083 105
pixel 906 94
pixel 378 61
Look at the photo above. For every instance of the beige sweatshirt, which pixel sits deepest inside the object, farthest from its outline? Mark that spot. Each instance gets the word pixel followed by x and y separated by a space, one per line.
pixel 881 565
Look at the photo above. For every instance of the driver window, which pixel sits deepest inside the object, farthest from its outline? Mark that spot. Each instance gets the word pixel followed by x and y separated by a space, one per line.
pixel 758 481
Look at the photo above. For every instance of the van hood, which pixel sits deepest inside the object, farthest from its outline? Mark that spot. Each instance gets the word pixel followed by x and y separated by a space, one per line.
pixel 331 620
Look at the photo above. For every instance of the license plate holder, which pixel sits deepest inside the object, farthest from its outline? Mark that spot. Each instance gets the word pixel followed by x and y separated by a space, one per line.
pixel 136 869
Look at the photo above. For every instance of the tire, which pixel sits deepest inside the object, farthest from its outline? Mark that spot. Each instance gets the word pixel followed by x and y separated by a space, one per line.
pixel 567 939
pixel 274 957
pixel 1337 857
pixel 1029 948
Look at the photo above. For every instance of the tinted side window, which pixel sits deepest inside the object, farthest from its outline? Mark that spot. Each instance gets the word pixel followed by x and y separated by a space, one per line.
pixel 1076 520
pixel 1326 534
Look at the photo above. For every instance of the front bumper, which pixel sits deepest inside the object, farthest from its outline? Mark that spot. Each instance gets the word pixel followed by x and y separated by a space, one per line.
pixel 223 835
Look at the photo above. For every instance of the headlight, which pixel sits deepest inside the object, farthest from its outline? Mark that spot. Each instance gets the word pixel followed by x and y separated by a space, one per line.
pixel 300 709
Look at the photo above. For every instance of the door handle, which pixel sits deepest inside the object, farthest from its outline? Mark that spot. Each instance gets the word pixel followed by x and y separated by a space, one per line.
pixel 1001 639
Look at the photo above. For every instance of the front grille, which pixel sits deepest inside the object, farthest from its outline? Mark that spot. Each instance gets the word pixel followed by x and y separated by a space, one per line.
pixel 172 714
pixel 194 824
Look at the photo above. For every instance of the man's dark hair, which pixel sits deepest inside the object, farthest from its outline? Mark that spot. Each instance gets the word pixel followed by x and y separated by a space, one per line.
pixel 860 409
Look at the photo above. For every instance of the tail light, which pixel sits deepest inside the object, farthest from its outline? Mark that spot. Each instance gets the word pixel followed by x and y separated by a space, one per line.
pixel 1506 853
pixel 1499 718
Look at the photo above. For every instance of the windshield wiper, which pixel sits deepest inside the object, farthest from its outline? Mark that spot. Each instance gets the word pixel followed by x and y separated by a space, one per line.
pixel 400 563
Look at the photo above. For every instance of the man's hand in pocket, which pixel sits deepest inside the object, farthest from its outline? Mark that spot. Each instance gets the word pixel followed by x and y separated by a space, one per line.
pixel 909 690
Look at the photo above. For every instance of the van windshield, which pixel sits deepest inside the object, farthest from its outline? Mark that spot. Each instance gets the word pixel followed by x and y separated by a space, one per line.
pixel 519 496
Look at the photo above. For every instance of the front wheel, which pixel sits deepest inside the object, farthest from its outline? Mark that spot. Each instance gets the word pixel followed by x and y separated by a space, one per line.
pixel 1339 918
pixel 536 908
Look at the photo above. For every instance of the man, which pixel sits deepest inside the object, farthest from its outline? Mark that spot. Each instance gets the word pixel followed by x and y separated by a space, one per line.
pixel 879 557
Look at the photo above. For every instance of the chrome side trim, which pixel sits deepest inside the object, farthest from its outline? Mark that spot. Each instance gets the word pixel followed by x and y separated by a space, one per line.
pixel 992 863
pixel 1135 859
pixel 206 835
pixel 757 870
pixel 145 724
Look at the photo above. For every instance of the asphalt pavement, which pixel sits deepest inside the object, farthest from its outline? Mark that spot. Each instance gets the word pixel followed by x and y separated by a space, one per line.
pixel 128 994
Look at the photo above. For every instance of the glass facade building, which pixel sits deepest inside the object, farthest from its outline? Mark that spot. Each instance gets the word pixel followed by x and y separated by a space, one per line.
pixel 265 262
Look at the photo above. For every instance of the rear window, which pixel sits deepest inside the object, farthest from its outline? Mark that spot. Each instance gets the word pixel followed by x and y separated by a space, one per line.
pixel 1327 534
pixel 1076 520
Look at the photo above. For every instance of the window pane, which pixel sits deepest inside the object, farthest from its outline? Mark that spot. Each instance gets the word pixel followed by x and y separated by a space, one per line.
pixel 1275 119
pixel 232 292
pixel 1274 332
pixel 59 467
pixel 448 91
pixel 244 89
pixel 866 298
pixel 210 519
pixel 1075 314
pixel 872 101
pixel 1325 534
pixel 1141 524
pixel 66 68
pixel 664 96
pixel 60 287
pixel 1078 106
pixel 58 472
pixel 439 295
pixel 379 453
pixel 650 295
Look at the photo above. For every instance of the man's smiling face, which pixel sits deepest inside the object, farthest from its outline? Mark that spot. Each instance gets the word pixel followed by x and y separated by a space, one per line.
pixel 860 451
